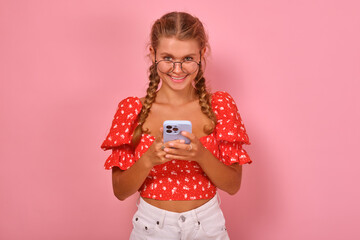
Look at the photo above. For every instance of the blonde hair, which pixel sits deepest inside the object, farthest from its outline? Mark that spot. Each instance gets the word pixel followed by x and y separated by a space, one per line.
pixel 182 26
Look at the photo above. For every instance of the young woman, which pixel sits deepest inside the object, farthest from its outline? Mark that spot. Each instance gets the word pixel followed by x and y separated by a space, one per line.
pixel 177 181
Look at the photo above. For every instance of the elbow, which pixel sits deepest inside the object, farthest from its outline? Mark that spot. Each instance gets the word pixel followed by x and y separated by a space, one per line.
pixel 231 189
pixel 119 193
pixel 234 190
pixel 234 187
pixel 116 184
pixel 119 196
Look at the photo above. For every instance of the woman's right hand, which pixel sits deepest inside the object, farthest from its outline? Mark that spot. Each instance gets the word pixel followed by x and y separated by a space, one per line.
pixel 155 155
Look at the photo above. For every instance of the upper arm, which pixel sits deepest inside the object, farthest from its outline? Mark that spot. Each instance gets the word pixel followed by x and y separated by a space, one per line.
pixel 237 167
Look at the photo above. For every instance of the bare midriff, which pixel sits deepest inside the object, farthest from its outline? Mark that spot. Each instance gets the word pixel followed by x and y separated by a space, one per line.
pixel 176 206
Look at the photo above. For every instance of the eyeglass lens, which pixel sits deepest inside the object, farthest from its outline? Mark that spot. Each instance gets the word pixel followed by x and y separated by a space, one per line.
pixel 188 67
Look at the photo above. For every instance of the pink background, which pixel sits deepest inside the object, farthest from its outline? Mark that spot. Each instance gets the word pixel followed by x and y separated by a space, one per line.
pixel 292 67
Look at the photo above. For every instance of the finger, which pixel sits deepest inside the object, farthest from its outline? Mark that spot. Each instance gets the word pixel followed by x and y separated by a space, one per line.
pixel 178 157
pixel 178 151
pixel 161 155
pixel 160 147
pixel 189 135
pixel 172 142
pixel 162 159
pixel 159 135
pixel 177 145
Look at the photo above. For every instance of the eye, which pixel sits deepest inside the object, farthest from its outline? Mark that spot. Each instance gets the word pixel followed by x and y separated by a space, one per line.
pixel 188 59
pixel 167 58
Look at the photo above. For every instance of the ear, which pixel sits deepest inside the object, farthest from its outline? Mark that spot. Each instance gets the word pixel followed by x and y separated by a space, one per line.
pixel 152 53
pixel 203 52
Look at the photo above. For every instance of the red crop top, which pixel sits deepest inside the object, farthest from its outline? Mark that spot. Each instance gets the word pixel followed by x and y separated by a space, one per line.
pixel 178 179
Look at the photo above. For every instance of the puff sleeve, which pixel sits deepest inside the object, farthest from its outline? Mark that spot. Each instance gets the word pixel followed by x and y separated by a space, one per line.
pixel 230 131
pixel 120 134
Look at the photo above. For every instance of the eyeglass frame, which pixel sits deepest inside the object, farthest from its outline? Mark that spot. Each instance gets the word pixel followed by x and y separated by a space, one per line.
pixel 173 68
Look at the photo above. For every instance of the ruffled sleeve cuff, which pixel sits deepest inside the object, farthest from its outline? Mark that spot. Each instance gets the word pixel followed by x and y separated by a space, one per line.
pixel 232 152
pixel 122 157
pixel 120 134
pixel 230 130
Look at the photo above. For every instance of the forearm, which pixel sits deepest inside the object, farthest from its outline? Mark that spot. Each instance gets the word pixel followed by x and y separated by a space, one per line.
pixel 126 183
pixel 224 177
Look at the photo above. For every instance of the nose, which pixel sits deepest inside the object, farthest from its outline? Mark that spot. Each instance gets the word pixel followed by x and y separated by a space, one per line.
pixel 177 67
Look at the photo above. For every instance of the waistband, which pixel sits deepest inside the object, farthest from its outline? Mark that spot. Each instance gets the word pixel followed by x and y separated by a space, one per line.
pixel 170 217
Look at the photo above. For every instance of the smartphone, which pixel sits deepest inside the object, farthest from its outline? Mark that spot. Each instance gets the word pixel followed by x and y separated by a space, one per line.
pixel 172 130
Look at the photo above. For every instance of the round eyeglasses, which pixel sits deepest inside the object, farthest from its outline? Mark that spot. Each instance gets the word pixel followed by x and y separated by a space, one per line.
pixel 168 66
pixel 188 67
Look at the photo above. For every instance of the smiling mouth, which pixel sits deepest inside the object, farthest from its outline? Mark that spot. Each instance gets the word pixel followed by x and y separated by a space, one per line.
pixel 178 79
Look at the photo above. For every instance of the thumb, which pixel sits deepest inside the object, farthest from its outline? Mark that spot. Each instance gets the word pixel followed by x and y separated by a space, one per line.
pixel 159 136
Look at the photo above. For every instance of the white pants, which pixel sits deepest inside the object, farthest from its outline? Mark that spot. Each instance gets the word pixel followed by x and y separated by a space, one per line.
pixel 204 222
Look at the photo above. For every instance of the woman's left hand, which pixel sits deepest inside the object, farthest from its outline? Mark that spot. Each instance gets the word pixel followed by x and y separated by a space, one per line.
pixel 182 151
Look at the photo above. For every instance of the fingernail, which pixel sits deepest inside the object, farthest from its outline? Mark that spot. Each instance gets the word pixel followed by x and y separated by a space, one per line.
pixel 171 144
pixel 182 141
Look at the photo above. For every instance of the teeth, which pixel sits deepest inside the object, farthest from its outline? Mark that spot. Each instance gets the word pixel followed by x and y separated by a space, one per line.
pixel 178 78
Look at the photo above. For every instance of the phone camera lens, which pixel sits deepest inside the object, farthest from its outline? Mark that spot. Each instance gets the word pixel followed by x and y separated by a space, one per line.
pixel 168 127
pixel 175 129
pixel 168 131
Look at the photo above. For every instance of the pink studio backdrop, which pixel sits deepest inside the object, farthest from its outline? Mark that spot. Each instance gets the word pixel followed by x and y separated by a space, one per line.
pixel 292 67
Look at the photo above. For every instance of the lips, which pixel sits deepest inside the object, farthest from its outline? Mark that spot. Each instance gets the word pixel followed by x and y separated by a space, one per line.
pixel 178 79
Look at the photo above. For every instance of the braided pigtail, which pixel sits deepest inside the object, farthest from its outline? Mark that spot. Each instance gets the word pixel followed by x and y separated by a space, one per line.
pixel 182 26
pixel 149 99
pixel 205 101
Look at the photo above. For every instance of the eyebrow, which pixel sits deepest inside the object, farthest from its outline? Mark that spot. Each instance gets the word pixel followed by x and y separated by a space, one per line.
pixel 169 54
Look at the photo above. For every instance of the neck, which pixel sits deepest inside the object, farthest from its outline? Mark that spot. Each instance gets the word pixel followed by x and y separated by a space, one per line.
pixel 176 98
